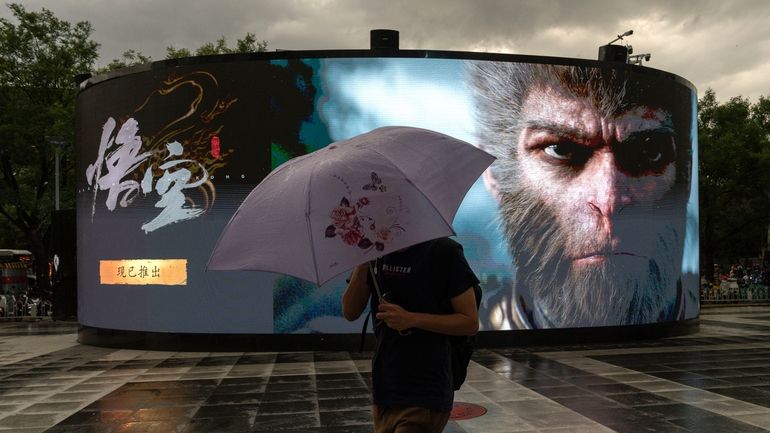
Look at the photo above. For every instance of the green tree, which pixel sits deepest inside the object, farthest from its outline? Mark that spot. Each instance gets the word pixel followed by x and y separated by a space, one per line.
pixel 734 178
pixel 247 44
pixel 39 56
pixel 129 58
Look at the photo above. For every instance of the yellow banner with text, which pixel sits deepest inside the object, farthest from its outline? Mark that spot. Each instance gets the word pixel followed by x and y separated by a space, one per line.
pixel 170 272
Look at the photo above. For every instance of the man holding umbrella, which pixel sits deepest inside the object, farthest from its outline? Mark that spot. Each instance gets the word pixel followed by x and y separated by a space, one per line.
pixel 386 198
pixel 426 296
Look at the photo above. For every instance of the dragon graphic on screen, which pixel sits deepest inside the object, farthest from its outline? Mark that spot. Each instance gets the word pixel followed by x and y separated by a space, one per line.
pixel 172 165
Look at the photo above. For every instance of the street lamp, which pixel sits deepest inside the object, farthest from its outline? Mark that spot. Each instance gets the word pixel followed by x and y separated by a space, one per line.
pixel 58 143
pixel 58 158
pixel 620 37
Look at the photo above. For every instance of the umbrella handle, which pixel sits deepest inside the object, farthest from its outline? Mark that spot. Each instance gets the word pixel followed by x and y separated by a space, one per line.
pixel 375 277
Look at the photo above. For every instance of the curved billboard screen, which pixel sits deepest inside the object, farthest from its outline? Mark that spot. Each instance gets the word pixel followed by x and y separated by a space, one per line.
pixel 588 217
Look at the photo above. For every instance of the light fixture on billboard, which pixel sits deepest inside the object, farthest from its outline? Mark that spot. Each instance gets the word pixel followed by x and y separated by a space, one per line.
pixel 639 58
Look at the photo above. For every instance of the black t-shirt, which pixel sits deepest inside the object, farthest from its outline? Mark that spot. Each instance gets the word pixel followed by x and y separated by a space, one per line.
pixel 414 369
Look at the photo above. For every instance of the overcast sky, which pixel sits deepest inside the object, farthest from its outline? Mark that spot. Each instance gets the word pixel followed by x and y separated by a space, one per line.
pixel 721 44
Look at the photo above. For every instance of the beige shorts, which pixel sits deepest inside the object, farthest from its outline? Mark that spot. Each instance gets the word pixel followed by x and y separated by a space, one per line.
pixel 408 419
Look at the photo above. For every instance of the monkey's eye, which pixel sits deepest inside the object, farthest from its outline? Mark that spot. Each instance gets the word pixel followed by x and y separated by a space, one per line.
pixel 558 151
pixel 652 154
pixel 649 152
pixel 567 152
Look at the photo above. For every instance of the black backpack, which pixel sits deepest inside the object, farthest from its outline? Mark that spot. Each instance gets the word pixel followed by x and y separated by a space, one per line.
pixel 462 349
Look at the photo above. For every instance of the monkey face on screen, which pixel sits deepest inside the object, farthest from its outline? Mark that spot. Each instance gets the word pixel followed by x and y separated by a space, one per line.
pixel 592 179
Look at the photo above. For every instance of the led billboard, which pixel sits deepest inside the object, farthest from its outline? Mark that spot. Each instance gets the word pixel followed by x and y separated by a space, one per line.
pixel 587 218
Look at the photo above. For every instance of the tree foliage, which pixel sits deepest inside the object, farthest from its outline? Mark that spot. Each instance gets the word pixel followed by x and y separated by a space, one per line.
pixel 129 58
pixel 39 56
pixel 734 178
pixel 247 44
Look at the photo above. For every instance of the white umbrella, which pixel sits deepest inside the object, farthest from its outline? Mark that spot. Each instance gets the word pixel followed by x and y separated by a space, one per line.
pixel 323 213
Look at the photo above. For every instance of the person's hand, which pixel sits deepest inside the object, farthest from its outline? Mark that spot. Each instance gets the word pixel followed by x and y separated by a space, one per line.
pixel 395 316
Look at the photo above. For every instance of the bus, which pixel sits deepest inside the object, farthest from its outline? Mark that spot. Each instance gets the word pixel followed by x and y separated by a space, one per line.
pixel 15 271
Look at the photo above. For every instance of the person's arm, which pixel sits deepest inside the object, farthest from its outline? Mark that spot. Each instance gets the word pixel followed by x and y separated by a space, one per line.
pixel 356 294
pixel 464 320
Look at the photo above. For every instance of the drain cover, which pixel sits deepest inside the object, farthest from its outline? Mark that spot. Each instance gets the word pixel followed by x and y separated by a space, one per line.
pixel 461 411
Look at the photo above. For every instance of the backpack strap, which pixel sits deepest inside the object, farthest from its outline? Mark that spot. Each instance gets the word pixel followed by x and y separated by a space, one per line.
pixel 363 332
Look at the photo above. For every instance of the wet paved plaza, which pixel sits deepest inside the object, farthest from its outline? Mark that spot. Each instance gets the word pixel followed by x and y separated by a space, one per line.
pixel 717 380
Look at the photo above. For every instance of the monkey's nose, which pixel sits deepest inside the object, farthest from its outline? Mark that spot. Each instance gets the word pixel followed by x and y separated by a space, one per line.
pixel 609 189
pixel 609 203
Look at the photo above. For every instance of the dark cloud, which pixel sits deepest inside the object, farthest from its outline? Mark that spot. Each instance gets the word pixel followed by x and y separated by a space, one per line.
pixel 718 44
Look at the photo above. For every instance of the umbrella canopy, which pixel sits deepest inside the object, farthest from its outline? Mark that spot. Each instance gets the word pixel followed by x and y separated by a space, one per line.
pixel 323 213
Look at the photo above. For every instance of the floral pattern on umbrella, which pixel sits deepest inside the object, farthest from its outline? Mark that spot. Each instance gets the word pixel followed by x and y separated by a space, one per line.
pixel 356 227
